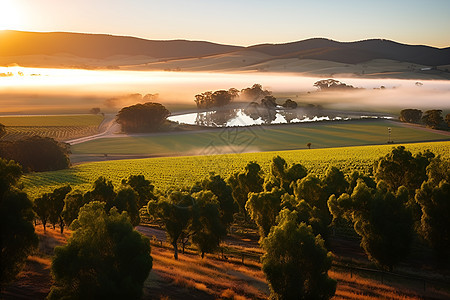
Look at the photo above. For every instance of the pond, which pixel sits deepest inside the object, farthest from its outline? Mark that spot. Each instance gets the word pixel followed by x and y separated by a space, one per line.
pixel 252 115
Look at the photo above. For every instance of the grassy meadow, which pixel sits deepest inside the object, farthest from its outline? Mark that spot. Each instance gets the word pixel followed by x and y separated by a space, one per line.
pixel 258 138
pixel 165 172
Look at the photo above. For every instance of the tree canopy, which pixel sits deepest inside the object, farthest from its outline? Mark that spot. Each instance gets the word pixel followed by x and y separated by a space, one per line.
pixel 411 115
pixel 215 99
pixel 103 259
pixel 296 262
pixel 332 85
pixel 433 118
pixel 145 117
pixel 37 153
pixel 17 235
pixel 381 218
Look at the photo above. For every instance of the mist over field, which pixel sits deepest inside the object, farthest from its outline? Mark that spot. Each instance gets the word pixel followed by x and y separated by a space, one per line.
pixel 39 90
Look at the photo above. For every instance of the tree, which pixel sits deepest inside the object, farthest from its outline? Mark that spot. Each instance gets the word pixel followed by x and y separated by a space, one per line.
pixel 145 117
pixel 103 191
pixel 269 102
pixel 411 115
pixel 331 84
pixel 72 204
pixel 254 93
pixel 447 120
pixel 250 180
pixel 433 118
pixel 142 186
pixel 263 208
pixel 104 258
pixel 37 153
pixel 334 182
pixel 17 236
pixel 382 220
pixel 289 104
pixel 400 167
pixel 309 145
pixel 57 205
pixel 208 227
pixel 285 175
pixel 126 200
pixel 41 207
pixel 218 98
pixel 175 213
pixel 433 198
pixel 311 190
pixel 295 261
pixel 224 194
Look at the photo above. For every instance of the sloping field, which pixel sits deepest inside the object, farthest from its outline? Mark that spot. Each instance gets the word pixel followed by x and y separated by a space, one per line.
pixel 165 172
pixel 59 127
pixel 255 139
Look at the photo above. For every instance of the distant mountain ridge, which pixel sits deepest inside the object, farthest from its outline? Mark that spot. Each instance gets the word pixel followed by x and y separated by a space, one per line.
pixel 102 46
pixel 357 52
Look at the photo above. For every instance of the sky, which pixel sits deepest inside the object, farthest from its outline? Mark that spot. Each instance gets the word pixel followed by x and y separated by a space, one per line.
pixel 238 22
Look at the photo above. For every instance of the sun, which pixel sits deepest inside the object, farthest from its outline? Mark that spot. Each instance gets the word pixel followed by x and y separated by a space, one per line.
pixel 10 16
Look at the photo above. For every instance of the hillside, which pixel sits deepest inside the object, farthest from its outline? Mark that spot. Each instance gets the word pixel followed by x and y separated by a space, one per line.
pixel 312 56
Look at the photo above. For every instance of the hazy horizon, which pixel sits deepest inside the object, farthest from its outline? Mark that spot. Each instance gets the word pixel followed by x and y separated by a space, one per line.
pixel 241 23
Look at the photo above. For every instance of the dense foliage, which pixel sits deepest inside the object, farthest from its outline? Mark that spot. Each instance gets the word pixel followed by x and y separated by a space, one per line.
pixel 411 115
pixel 145 117
pixel 295 261
pixel 37 153
pixel 17 235
pixel 103 259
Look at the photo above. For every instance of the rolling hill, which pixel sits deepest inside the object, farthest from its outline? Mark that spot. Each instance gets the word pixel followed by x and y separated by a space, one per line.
pixel 61 49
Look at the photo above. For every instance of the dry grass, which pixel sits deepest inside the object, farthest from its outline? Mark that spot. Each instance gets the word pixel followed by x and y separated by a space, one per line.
pixel 212 276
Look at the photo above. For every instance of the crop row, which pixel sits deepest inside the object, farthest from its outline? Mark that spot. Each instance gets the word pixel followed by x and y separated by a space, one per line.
pixel 59 133
pixel 166 172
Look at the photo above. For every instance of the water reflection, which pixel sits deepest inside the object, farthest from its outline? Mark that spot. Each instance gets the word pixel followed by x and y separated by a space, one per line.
pixel 258 115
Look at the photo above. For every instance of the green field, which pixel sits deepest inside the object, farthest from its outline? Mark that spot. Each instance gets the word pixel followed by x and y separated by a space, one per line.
pixel 184 171
pixel 256 139
pixel 59 127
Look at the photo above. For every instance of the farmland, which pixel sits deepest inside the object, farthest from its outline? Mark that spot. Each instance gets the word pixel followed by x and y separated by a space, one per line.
pixel 59 127
pixel 165 172
pixel 254 139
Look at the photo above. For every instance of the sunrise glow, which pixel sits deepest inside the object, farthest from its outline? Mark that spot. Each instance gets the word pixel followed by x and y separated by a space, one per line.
pixel 10 15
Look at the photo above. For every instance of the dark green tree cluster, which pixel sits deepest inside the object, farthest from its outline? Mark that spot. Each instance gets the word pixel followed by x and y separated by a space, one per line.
pixel 105 258
pixel 295 261
pixel 18 239
pixel 200 215
pixel 411 196
pixel 381 218
pixel 145 117
pixel 332 85
pixel 411 115
pixel 218 98
pixel 62 206
pixel 37 153
pixel 431 118
pixel 254 93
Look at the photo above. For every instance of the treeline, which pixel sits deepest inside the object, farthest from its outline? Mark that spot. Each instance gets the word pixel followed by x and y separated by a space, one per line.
pixel 255 94
pixel 432 118
pixel 405 196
